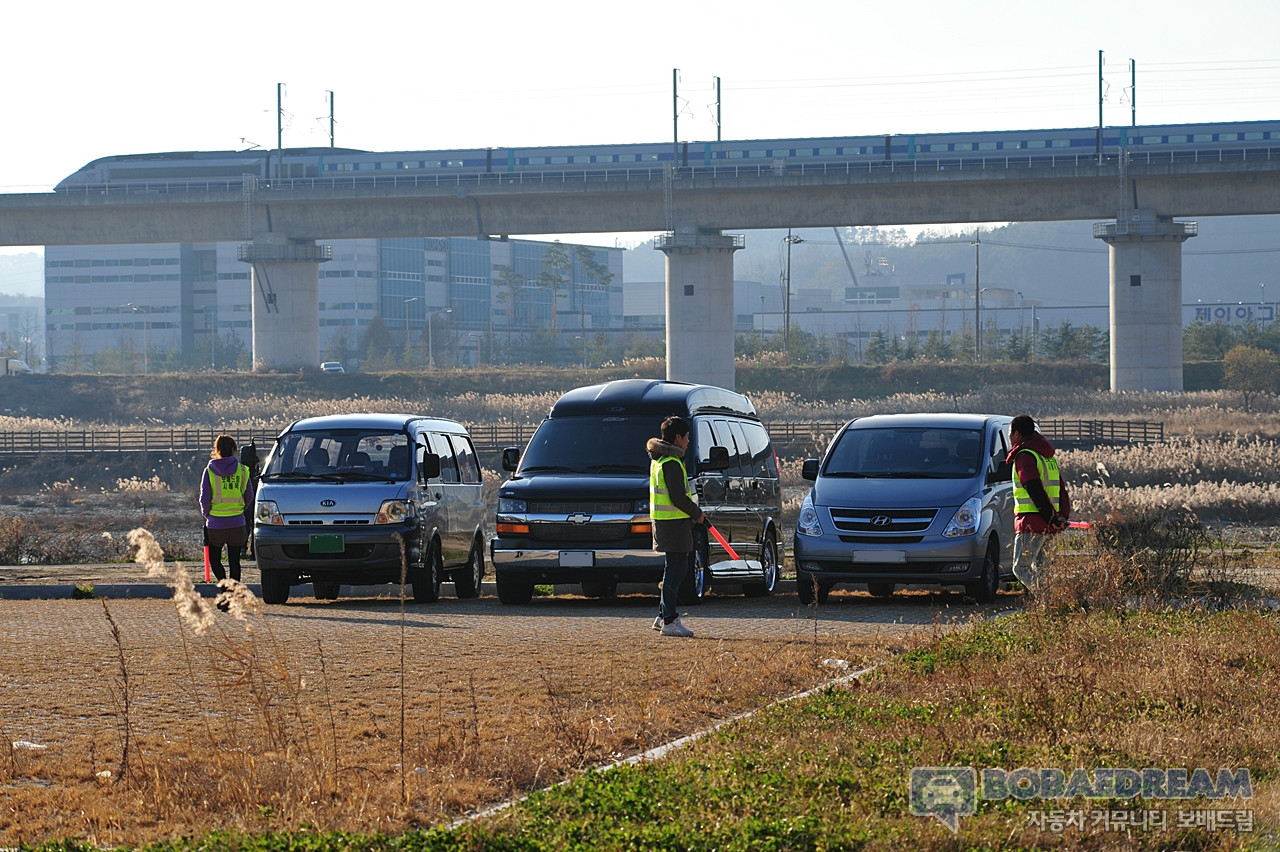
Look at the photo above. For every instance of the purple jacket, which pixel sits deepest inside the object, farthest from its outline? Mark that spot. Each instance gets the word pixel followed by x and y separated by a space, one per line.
pixel 222 467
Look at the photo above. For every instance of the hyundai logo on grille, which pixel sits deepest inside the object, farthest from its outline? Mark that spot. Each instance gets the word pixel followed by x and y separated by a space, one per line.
pixel 880 521
pixel 328 504
pixel 578 518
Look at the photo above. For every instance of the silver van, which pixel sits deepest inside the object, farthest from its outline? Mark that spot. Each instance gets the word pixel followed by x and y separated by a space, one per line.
pixel 908 499
pixel 341 496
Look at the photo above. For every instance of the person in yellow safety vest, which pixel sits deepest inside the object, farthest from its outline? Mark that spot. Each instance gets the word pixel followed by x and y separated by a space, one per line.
pixel 1041 503
pixel 674 511
pixel 226 495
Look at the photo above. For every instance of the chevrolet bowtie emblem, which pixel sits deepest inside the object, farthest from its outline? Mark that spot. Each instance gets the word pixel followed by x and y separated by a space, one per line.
pixel 578 518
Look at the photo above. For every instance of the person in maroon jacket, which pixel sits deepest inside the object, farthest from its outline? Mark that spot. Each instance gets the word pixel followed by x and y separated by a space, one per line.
pixel 226 497
pixel 1041 503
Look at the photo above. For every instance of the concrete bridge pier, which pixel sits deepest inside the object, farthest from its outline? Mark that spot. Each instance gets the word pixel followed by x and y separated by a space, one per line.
pixel 1146 299
pixel 699 305
pixel 285 279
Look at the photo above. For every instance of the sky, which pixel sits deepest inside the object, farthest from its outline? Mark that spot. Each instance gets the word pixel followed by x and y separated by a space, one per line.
pixel 163 76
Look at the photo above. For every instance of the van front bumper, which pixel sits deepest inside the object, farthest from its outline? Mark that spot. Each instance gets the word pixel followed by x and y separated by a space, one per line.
pixel 549 566
pixel 368 553
pixel 942 562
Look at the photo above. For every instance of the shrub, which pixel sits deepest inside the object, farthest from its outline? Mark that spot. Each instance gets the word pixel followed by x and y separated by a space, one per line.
pixel 1154 552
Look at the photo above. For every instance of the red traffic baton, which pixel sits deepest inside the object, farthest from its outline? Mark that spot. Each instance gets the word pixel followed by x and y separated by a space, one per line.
pixel 727 549
pixel 1080 525
pixel 207 577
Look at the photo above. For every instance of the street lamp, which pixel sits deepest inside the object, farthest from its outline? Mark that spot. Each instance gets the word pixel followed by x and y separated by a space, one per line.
pixel 584 350
pixel 145 328
pixel 431 351
pixel 406 320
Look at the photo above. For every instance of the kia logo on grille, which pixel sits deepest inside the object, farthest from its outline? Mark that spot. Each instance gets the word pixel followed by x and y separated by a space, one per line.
pixel 578 518
pixel 328 504
pixel 880 521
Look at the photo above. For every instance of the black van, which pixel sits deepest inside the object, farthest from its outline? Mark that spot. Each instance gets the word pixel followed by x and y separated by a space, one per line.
pixel 576 509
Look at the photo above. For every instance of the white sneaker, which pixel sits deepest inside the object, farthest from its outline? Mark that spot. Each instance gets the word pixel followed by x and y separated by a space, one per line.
pixel 657 623
pixel 675 628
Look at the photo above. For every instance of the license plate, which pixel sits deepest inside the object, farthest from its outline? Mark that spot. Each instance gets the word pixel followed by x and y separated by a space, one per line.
pixel 880 556
pixel 577 558
pixel 327 543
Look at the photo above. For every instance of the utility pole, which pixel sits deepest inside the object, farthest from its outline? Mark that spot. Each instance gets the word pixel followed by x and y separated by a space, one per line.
pixel 675 117
pixel 717 109
pixel 330 119
pixel 977 295
pixel 1099 107
pixel 786 306
pixel 279 128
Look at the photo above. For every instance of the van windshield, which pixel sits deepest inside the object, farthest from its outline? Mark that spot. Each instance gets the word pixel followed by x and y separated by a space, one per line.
pixel 598 444
pixel 906 453
pixel 340 454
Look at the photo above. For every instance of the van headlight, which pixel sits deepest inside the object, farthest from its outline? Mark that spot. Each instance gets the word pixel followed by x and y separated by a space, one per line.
pixel 393 512
pixel 265 512
pixel 965 520
pixel 512 506
pixel 807 523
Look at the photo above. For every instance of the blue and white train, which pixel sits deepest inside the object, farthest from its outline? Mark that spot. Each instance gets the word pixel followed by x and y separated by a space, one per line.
pixel 300 167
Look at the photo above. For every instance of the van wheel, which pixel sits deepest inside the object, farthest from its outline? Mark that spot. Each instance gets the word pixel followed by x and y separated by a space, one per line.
pixel 466 580
pixel 988 583
pixel 599 590
pixel 326 591
pixel 511 591
pixel 698 582
pixel 809 589
pixel 427 576
pixel 275 586
pixel 769 566
pixel 881 590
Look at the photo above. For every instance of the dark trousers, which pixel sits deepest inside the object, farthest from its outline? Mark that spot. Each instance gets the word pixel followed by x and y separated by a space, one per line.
pixel 233 539
pixel 678 568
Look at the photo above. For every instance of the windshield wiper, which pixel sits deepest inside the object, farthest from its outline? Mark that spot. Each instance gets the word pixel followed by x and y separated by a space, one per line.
pixel 549 467
pixel 291 474
pixel 617 468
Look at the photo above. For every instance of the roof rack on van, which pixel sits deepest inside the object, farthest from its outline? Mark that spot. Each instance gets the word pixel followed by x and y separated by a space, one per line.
pixel 651 396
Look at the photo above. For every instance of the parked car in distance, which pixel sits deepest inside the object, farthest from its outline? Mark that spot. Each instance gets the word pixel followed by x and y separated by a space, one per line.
pixel 908 499
pixel 340 494
pixel 332 367
pixel 576 508
pixel 16 367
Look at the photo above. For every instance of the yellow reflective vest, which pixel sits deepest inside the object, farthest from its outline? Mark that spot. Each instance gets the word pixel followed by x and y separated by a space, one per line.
pixel 227 492
pixel 1049 478
pixel 660 506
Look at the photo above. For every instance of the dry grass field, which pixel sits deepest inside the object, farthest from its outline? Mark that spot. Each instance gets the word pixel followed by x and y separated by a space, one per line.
pixel 133 721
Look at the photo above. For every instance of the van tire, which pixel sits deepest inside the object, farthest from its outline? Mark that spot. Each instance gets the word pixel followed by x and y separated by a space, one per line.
pixel 326 591
pixel 984 589
pixel 810 590
pixel 769 564
pixel 275 586
pixel 698 582
pixel 426 577
pixel 467 580
pixel 881 589
pixel 514 592
pixel 599 590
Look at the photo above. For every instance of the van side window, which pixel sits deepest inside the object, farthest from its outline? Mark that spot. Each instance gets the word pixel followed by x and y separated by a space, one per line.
pixel 703 440
pixel 724 438
pixel 468 467
pixel 762 461
pixel 448 464
pixel 740 455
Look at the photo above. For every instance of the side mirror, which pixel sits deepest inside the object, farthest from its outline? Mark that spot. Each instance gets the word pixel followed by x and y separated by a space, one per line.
pixel 1002 473
pixel 809 469
pixel 510 459
pixel 717 459
pixel 428 467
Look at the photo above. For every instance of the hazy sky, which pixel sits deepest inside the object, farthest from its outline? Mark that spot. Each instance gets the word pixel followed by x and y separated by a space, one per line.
pixel 164 76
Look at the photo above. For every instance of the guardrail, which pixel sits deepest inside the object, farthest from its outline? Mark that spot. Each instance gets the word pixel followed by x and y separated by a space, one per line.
pixel 490 438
